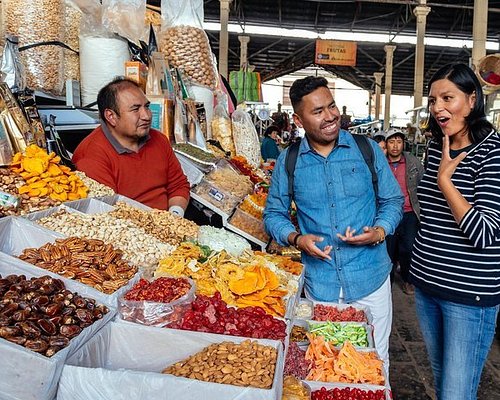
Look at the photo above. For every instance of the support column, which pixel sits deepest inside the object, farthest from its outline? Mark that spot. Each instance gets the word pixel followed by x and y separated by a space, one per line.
pixel 243 50
pixel 223 37
pixel 389 56
pixel 479 30
pixel 378 90
pixel 420 12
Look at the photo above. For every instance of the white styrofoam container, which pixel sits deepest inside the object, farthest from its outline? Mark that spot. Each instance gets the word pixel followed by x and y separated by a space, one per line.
pixel 26 375
pixel 90 206
pixel 125 360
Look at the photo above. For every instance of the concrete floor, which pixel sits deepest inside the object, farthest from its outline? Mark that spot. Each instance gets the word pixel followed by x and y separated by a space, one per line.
pixel 410 371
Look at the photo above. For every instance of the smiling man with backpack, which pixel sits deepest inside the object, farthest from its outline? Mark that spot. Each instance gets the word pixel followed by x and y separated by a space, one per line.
pixel 347 202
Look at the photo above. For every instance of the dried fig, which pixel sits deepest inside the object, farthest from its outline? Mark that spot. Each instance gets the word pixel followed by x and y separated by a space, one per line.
pixel 60 341
pixel 30 330
pixel 21 315
pixel 70 331
pixel 38 345
pixel 47 326
pixel 84 315
pixel 10 331
pixel 20 340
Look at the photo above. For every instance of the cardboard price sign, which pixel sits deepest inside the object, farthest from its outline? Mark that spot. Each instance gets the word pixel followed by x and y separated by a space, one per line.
pixel 334 52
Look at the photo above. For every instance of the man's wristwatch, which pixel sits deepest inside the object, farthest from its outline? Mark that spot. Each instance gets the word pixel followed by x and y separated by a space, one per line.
pixel 381 233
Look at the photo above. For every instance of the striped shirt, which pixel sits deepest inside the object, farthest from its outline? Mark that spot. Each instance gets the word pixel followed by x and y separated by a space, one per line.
pixel 461 262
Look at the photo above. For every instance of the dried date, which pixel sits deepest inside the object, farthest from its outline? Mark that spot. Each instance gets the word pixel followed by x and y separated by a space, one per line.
pixel 41 315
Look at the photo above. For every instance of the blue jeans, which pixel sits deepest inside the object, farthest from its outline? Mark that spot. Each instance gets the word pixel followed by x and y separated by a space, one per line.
pixel 458 338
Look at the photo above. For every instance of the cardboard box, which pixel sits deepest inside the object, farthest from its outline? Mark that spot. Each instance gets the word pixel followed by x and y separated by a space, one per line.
pixel 138 72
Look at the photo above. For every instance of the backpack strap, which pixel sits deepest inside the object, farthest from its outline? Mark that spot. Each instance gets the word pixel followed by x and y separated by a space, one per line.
pixel 369 157
pixel 290 162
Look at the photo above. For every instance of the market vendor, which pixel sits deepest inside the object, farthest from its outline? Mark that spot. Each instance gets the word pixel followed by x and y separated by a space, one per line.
pixel 125 154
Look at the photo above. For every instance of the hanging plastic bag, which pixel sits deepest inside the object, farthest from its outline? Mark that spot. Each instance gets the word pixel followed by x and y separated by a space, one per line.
pixel 73 17
pixel 102 53
pixel 40 28
pixel 126 18
pixel 221 125
pixel 246 140
pixel 11 65
pixel 195 135
pixel 180 122
pixel 185 43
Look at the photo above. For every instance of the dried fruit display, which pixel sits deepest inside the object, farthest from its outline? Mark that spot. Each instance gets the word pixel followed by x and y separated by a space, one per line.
pixel 246 364
pixel 298 334
pixel 211 314
pixel 41 315
pixel 347 394
pixel 161 224
pixel 161 290
pixel 249 224
pixel 339 333
pixel 296 363
pixel 293 389
pixel 254 204
pixel 89 261
pixel 9 183
pixel 246 169
pixel 346 365
pixel 45 177
pixel 331 313
pixel 242 282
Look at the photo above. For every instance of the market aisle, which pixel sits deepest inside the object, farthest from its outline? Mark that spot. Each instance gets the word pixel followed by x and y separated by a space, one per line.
pixel 411 375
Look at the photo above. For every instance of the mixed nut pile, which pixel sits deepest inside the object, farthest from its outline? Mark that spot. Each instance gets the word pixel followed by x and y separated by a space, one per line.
pixel 41 315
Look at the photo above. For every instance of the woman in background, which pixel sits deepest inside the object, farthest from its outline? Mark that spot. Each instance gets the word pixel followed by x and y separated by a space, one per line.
pixel 269 147
pixel 456 256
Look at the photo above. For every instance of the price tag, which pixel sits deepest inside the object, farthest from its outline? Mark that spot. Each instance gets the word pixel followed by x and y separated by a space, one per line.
pixel 219 196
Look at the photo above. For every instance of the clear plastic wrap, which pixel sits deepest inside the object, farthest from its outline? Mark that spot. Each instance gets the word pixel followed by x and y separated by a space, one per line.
pixel 249 224
pixel 11 68
pixel 185 43
pixel 37 22
pixel 221 124
pixel 246 140
pixel 73 17
pixel 126 18
pixel 156 314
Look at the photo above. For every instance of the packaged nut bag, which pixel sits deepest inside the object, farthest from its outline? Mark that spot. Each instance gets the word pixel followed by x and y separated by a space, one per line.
pixel 39 24
pixel 221 124
pixel 185 43
pixel 245 137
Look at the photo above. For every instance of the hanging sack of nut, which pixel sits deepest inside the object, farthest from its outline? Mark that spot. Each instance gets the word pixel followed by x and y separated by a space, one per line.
pixel 73 18
pixel 36 22
pixel 245 137
pixel 185 43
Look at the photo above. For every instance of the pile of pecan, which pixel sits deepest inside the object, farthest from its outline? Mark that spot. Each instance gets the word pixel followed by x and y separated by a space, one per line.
pixel 89 261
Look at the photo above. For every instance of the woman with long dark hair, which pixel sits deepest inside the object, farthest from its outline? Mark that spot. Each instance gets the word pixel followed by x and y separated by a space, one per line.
pixel 456 256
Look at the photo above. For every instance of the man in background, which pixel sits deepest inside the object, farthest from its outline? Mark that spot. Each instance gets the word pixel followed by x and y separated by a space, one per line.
pixel 408 171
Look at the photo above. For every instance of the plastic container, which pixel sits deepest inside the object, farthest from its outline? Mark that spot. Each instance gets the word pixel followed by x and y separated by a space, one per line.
pixel 216 196
pixel 156 314
pixel 303 324
pixel 367 328
pixel 249 224
pixel 304 309
pixel 368 315
pixel 315 386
